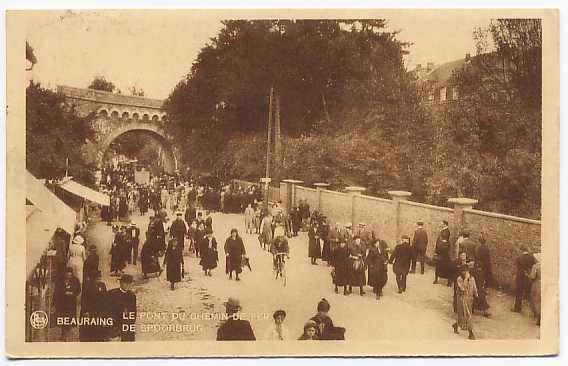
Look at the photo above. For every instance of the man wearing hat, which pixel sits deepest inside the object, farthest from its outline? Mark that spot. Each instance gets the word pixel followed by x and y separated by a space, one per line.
pixel 122 309
pixel 235 329
pixel 133 233
pixel 419 245
pixel 401 258
pixel 93 305
pixel 524 263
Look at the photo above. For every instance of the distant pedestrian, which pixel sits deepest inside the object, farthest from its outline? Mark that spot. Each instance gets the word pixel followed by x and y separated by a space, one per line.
pixel 442 255
pixel 341 267
pixel 357 267
pixel 65 299
pixel 314 243
pixel 234 253
pixel 93 305
pixel 401 258
pixel 466 292
pixel 535 298
pixel 524 264
pixel 419 245
pixel 173 262
pixel 209 254
pixel 122 308
pixel 76 257
pixel 249 218
pixel 377 259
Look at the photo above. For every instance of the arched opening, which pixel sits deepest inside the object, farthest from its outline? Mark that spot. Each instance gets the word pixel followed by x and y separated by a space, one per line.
pixel 135 116
pixel 114 114
pixel 125 115
pixel 147 148
pixel 103 113
pixel 155 118
pixel 145 117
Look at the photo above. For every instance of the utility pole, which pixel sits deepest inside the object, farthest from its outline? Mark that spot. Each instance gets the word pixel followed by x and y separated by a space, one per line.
pixel 277 134
pixel 266 179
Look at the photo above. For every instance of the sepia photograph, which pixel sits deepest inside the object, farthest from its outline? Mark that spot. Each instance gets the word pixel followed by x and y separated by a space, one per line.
pixel 361 179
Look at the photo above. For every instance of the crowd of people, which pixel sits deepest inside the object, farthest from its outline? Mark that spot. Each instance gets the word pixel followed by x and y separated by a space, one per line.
pixel 357 257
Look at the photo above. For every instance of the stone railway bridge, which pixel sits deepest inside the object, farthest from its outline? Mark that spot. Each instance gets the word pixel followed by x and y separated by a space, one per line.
pixel 117 114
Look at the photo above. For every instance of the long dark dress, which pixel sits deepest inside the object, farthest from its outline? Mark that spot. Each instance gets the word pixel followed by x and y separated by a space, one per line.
pixel 149 258
pixel 93 304
pixel 357 265
pixel 341 264
pixel 236 249
pixel 314 245
pixel 209 255
pixel 326 249
pixel 172 261
pixel 116 257
pixel 91 266
pixel 444 267
pixel 377 263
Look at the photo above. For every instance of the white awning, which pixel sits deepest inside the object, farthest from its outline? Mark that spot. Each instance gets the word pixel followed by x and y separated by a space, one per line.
pixel 86 192
pixel 40 228
pixel 49 204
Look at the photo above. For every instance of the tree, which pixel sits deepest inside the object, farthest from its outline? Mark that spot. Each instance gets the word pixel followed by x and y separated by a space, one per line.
pixel 30 56
pixel 100 83
pixel 490 145
pixel 55 133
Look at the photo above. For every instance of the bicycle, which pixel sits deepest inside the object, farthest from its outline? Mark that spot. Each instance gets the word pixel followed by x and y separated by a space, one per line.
pixel 280 266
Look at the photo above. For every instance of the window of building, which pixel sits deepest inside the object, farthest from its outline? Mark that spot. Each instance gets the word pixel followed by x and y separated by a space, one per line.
pixel 443 92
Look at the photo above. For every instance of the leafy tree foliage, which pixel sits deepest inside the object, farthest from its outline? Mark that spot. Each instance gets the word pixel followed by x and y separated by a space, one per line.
pixel 100 83
pixel 53 134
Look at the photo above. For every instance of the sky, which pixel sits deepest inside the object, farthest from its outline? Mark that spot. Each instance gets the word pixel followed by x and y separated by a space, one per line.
pixel 154 50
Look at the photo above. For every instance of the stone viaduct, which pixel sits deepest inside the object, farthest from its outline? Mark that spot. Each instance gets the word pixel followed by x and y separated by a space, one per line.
pixel 117 114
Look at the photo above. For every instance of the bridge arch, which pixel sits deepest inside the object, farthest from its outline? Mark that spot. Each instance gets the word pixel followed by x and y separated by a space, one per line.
pixel 171 163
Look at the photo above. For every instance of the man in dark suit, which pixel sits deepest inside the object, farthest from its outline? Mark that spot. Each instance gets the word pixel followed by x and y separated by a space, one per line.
pixel 401 258
pixel 235 329
pixel 443 261
pixel 122 309
pixel 524 265
pixel 190 213
pixel 419 245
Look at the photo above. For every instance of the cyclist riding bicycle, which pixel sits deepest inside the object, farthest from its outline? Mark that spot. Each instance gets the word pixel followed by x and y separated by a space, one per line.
pixel 279 245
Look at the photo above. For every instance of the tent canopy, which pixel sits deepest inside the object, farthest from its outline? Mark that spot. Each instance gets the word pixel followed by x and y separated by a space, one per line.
pixel 48 203
pixel 85 192
pixel 40 228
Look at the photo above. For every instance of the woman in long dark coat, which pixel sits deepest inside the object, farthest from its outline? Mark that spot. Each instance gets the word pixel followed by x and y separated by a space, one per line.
pixel 234 252
pixel 209 255
pixel 356 255
pixel 341 267
pixel 314 243
pixel 93 305
pixel 326 249
pixel 65 298
pixel 377 259
pixel 173 262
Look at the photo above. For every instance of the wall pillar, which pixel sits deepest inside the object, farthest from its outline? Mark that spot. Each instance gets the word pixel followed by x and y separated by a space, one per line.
pixel 319 188
pixel 354 192
pixel 396 197
pixel 460 203
pixel 290 192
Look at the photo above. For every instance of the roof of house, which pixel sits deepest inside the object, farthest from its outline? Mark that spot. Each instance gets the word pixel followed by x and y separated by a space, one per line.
pixel 441 75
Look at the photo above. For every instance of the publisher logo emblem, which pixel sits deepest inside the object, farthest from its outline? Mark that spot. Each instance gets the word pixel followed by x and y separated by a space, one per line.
pixel 38 319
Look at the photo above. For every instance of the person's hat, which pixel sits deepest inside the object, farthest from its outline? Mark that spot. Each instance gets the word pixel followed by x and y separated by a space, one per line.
pixel 362 224
pixel 162 214
pixel 126 278
pixel 347 224
pixel 419 223
pixel 310 324
pixel 278 313
pixel 92 247
pixel 233 303
pixel 133 224
pixel 78 240
pixel 179 213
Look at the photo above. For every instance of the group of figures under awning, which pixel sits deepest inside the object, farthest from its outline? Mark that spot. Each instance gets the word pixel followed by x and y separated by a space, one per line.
pixel 46 213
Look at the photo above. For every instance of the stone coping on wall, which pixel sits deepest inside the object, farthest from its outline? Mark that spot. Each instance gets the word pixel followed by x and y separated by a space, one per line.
pixel 306 188
pixel 502 216
pixel 101 96
pixel 425 205
pixel 334 192
pixel 376 198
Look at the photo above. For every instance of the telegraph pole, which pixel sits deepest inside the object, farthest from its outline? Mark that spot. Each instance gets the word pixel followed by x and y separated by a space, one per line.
pixel 266 179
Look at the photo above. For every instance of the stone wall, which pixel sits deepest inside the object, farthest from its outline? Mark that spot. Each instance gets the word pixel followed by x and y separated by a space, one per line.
pixel 336 206
pixel 398 216
pixel 431 216
pixel 505 235
pixel 304 193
